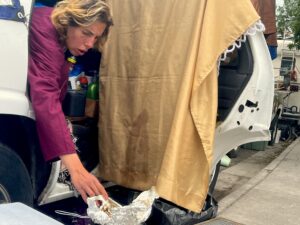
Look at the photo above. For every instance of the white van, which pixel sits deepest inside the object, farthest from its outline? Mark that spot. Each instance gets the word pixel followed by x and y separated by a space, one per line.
pixel 244 111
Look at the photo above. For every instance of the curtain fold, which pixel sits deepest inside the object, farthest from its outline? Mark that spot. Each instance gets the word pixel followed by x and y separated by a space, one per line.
pixel 158 98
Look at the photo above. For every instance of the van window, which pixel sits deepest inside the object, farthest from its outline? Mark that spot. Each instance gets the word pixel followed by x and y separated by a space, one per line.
pixel 234 75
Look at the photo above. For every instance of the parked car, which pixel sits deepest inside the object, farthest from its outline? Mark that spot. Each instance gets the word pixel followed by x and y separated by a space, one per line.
pixel 244 112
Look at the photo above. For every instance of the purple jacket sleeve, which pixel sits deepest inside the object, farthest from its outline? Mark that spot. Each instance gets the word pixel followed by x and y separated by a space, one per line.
pixel 48 76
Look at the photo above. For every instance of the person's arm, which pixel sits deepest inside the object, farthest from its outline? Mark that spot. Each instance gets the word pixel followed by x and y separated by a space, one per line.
pixel 47 76
pixel 54 135
pixel 84 182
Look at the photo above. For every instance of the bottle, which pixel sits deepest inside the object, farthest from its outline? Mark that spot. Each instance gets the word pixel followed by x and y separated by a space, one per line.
pixel 93 89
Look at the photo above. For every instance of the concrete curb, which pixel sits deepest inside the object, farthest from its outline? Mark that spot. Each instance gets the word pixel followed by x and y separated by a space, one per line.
pixel 230 199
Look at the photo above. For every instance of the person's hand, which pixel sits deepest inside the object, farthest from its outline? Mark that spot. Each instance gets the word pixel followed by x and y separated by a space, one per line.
pixel 87 184
pixel 84 182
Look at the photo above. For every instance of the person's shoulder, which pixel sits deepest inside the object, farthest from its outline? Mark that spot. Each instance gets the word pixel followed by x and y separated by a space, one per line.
pixel 41 27
pixel 44 38
pixel 42 11
pixel 40 18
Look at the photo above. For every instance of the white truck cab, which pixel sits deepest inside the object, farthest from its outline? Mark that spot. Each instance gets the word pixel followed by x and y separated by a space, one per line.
pixel 244 111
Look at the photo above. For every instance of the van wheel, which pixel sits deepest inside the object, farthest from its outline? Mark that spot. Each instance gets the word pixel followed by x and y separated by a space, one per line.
pixel 214 178
pixel 15 184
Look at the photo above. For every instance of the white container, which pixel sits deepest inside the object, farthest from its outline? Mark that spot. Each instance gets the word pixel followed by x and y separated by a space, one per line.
pixel 73 80
pixel 20 214
pixel 277 138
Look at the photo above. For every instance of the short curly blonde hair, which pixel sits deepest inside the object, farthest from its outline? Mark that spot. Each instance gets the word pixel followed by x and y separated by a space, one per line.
pixel 81 13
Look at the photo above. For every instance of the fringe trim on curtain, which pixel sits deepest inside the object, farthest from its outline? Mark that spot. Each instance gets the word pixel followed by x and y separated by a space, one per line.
pixel 257 27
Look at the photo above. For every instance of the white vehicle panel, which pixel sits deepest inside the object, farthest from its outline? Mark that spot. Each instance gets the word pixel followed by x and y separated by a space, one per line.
pixel 13 65
pixel 252 124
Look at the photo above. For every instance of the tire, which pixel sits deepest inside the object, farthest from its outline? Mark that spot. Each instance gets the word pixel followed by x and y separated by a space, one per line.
pixel 214 178
pixel 15 184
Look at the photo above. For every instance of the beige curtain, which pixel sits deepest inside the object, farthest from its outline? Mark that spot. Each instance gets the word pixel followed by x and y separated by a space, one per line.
pixel 158 98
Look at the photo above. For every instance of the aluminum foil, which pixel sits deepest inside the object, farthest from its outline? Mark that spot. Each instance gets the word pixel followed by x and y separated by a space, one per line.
pixel 111 213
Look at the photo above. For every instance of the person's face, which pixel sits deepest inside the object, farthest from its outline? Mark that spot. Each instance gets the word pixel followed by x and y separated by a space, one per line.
pixel 80 39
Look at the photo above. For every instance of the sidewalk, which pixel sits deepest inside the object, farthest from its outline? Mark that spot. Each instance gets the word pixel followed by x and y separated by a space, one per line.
pixel 272 197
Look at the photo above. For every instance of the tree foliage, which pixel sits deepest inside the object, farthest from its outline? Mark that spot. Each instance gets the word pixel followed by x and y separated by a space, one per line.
pixel 288 21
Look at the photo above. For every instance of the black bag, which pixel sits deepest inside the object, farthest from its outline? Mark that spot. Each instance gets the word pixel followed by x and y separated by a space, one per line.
pixel 164 212
pixel 167 213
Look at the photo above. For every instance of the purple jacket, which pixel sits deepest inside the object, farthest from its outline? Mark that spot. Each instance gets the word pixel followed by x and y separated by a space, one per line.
pixel 48 78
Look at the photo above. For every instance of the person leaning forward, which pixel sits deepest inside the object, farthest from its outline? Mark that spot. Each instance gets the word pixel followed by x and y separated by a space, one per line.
pixel 76 26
